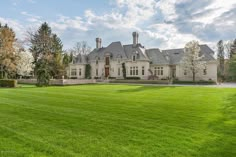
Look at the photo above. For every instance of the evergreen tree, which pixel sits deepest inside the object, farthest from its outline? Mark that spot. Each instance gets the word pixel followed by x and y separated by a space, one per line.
pixel 46 48
pixel 221 59
pixel 232 68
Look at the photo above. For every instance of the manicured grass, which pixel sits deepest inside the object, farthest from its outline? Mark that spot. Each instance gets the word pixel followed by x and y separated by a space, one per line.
pixel 118 120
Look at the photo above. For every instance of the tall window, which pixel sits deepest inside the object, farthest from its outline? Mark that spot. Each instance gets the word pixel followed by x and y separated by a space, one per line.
pixel 118 71
pixel 205 71
pixel 134 58
pixel 159 70
pixel 131 70
pixel 73 72
pixel 107 60
pixel 155 70
pixel 96 72
pixel 136 70
pixel 97 62
pixel 142 70
pixel 80 72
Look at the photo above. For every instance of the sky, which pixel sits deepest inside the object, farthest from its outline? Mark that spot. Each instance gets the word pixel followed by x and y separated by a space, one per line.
pixel 164 24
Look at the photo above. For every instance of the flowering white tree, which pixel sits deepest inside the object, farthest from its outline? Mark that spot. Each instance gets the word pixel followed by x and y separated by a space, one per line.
pixel 24 65
pixel 192 60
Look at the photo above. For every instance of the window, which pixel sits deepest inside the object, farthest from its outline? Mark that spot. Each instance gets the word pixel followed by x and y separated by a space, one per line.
pixel 97 62
pixel 133 70
pixel 73 72
pixel 96 72
pixel 142 70
pixel 158 70
pixel 107 61
pixel 185 72
pixel 80 72
pixel 118 71
pixel 205 71
pixel 134 58
pixel 155 71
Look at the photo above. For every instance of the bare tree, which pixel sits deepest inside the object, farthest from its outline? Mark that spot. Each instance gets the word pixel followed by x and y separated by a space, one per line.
pixel 81 48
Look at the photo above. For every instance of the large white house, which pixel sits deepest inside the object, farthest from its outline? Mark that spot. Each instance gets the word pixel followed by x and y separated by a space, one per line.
pixel 139 62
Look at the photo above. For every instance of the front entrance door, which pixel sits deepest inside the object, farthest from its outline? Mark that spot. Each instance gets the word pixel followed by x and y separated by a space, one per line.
pixel 106 72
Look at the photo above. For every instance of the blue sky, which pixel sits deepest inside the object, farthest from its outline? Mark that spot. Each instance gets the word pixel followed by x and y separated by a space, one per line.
pixel 160 23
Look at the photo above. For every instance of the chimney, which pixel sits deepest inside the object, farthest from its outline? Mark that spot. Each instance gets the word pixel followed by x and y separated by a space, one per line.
pixel 98 43
pixel 135 38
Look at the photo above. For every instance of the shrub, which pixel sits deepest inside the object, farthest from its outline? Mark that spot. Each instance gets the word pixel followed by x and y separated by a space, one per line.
pixel 201 82
pixel 8 83
pixel 96 77
pixel 132 78
pixel 111 77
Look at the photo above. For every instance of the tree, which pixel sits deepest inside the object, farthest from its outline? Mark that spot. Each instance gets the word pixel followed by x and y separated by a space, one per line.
pixel 8 54
pixel 46 49
pixel 66 59
pixel 232 68
pixel 88 71
pixel 221 59
pixel 81 48
pixel 124 70
pixel 58 68
pixel 233 48
pixel 25 64
pixel 192 60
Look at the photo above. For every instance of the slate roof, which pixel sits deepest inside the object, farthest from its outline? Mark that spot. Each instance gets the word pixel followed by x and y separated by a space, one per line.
pixel 175 55
pixel 115 49
pixel 155 56
pixel 130 50
pixel 80 59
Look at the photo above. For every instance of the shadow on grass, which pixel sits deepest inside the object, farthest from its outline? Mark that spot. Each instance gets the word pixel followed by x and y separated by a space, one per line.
pixel 224 129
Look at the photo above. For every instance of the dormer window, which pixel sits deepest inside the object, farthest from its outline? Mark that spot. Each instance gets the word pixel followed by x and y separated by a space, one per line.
pixel 134 58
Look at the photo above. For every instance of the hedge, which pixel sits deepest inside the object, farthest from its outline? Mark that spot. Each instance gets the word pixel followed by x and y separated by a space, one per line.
pixel 8 83
pixel 202 82
pixel 132 78
pixel 141 81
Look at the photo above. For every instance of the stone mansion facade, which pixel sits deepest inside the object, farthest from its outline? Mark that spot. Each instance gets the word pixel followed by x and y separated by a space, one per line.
pixel 139 62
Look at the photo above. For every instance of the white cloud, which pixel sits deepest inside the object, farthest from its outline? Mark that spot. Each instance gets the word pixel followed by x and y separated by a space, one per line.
pixel 164 23
pixel 32 18
pixel 15 25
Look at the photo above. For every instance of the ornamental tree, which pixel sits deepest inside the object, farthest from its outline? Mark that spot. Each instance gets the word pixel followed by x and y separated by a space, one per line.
pixel 192 60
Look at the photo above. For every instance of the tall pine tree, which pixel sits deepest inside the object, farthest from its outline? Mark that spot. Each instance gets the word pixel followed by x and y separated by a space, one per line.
pixel 46 48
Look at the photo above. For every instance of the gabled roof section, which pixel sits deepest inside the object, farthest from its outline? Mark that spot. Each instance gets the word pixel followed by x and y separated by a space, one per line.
pixel 157 57
pixel 130 50
pixel 175 55
pixel 115 49
pixel 80 59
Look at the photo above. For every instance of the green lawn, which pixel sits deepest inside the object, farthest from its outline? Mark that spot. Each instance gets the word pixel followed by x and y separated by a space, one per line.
pixel 118 120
